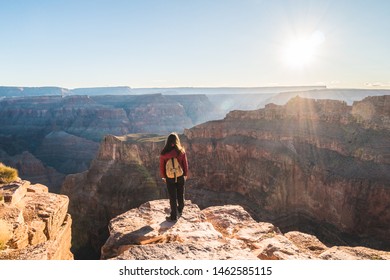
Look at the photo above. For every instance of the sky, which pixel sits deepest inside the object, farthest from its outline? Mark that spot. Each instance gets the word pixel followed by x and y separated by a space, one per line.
pixel 195 43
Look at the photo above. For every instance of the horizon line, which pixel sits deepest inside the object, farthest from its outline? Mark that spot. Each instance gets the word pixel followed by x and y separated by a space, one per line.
pixel 374 87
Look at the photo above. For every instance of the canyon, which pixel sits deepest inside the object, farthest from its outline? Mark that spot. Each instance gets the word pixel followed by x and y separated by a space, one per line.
pixel 317 166
pixel 50 132
pixel 48 137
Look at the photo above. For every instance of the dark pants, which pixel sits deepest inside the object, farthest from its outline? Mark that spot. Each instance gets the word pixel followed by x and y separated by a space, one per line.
pixel 176 195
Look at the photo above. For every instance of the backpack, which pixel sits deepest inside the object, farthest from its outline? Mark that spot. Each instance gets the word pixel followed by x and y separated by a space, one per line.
pixel 173 169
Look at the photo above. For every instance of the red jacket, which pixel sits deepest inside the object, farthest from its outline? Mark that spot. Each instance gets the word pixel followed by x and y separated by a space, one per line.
pixel 181 158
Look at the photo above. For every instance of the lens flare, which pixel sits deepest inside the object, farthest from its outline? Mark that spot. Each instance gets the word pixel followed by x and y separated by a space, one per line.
pixel 300 52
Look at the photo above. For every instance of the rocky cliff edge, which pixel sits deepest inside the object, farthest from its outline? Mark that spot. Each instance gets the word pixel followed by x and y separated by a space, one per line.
pixel 218 232
pixel 34 224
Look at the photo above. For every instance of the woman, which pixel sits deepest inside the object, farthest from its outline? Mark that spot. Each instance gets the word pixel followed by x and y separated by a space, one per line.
pixel 175 184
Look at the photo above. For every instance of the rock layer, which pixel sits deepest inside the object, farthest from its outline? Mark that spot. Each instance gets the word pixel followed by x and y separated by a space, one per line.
pixel 306 161
pixel 220 233
pixel 64 131
pixel 35 224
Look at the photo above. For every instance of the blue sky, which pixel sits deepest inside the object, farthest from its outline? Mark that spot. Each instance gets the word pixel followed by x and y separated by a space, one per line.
pixel 163 43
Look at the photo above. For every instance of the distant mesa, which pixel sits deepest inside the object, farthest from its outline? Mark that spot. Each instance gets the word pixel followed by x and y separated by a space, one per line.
pixel 7 91
pixel 102 91
pixel 347 95
pixel 33 91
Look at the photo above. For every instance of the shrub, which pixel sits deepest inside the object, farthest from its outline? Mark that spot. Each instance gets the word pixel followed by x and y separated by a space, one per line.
pixel 7 174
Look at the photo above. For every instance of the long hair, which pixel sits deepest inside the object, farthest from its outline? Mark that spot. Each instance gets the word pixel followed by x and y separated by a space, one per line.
pixel 173 142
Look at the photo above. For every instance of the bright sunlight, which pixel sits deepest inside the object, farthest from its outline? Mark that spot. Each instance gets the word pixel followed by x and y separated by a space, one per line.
pixel 301 51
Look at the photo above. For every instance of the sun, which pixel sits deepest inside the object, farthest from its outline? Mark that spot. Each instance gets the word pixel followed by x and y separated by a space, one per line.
pixel 301 51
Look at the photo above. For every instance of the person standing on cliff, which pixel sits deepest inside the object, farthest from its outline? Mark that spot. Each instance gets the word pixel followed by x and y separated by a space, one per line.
pixel 171 151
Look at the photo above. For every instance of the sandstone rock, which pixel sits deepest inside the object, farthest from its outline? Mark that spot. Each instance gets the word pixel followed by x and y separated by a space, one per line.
pixel 218 232
pixel 14 192
pixel 306 242
pixel 38 188
pixel 354 253
pixel 180 251
pixel 57 249
pixel 5 232
pixel 278 247
pixel 36 223
pixel 48 208
pixel 143 233
pixel 234 222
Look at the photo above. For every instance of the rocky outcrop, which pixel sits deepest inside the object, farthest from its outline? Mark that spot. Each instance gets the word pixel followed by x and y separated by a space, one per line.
pixel 312 166
pixel 219 232
pixel 34 223
pixel 119 179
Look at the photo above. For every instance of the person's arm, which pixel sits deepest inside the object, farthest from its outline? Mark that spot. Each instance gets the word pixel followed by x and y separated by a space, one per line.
pixel 184 165
pixel 162 168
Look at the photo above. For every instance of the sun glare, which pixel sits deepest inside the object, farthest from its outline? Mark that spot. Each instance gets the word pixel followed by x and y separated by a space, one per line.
pixel 301 51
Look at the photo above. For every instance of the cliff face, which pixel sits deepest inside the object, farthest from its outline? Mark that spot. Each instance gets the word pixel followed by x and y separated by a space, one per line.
pixel 34 224
pixel 218 232
pixel 66 153
pixel 122 177
pixel 317 166
pixel 308 161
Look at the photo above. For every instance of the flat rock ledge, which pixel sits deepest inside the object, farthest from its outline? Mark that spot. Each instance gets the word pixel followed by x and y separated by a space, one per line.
pixel 215 233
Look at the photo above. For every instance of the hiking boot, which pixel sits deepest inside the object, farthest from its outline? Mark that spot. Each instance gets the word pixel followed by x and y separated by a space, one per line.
pixel 171 219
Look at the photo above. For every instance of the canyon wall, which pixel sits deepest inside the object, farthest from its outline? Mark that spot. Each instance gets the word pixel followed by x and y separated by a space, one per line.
pixel 34 224
pixel 61 129
pixel 319 166
pixel 308 161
